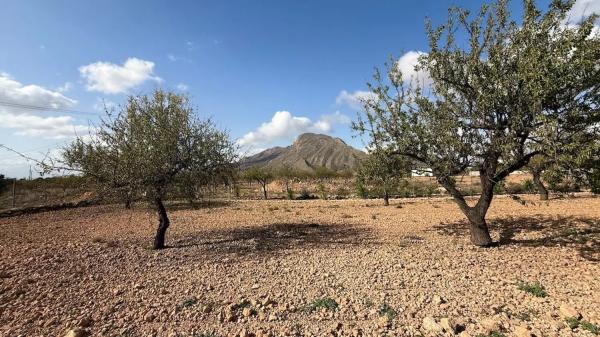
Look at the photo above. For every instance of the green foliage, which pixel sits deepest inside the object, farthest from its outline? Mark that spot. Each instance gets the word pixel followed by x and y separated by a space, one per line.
pixel 290 194
pixel 572 322
pixel 383 171
pixel 322 191
pixel 361 189
pixel 323 303
pixel 575 323
pixel 386 310
pixel 527 186
pixel 593 328
pixel 188 302
pixel 153 142
pixel 261 175
pixel 322 172
pixel 536 289
pixel 511 89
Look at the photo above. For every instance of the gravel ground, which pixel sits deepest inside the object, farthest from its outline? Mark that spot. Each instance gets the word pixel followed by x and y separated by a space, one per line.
pixel 302 268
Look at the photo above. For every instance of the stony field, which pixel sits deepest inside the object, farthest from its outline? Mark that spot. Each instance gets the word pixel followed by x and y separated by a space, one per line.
pixel 304 268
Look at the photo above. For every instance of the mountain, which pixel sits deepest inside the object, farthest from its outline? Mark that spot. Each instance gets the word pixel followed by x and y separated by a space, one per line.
pixel 309 151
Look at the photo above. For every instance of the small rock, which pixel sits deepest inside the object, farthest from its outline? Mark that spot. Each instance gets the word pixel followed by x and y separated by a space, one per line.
pixel 149 317
pixel 490 324
pixel 448 325
pixel 77 333
pixel 522 331
pixel 430 325
pixel 384 322
pixel 567 311
pixel 272 317
pixel 437 300
pixel 255 286
pixel 247 312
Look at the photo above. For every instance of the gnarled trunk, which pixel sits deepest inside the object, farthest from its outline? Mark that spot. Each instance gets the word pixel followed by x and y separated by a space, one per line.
pixel 386 198
pixel 163 224
pixel 480 235
pixel 539 185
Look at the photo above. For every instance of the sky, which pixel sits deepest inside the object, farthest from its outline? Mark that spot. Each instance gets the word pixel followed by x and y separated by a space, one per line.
pixel 266 71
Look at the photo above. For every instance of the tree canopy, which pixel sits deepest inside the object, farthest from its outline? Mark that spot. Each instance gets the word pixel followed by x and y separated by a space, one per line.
pixel 152 141
pixel 511 91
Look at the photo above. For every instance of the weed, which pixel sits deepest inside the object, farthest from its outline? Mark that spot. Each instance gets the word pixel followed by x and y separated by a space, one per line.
pixel 374 216
pixel 369 304
pixel 535 289
pixel 386 310
pixel 591 327
pixel 574 323
pixel 326 303
pixel 188 302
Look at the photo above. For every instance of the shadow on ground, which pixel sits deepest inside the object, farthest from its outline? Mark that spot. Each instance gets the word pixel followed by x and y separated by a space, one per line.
pixel 581 233
pixel 276 237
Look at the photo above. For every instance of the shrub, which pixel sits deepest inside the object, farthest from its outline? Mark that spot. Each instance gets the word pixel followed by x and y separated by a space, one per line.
pixel 527 185
pixel 386 310
pixel 361 190
pixel 536 289
pixel 304 195
pixel 574 323
pixel 322 191
pixel 326 303
pixel 290 193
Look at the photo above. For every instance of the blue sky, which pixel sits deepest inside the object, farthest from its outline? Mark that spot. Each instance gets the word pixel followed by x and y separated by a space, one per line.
pixel 264 70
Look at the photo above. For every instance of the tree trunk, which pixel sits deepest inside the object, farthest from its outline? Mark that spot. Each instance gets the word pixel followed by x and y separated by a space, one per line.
pixel 386 198
pixel 539 185
pixel 480 235
pixel 163 224
pixel 264 187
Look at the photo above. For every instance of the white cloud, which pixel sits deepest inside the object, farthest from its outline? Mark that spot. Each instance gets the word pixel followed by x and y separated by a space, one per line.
pixel 16 113
pixel 582 9
pixel 284 125
pixel 354 100
pixel 182 87
pixel 110 78
pixel 42 127
pixel 407 65
pixel 14 92
pixel 65 87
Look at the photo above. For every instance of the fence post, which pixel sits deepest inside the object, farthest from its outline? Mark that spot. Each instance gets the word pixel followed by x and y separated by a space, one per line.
pixel 14 192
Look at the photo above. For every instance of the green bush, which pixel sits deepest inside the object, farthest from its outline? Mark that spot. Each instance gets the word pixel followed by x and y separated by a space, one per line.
pixel 290 193
pixel 323 303
pixel 361 190
pixel 535 289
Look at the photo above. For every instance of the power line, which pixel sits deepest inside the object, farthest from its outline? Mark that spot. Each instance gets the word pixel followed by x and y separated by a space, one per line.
pixel 45 108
